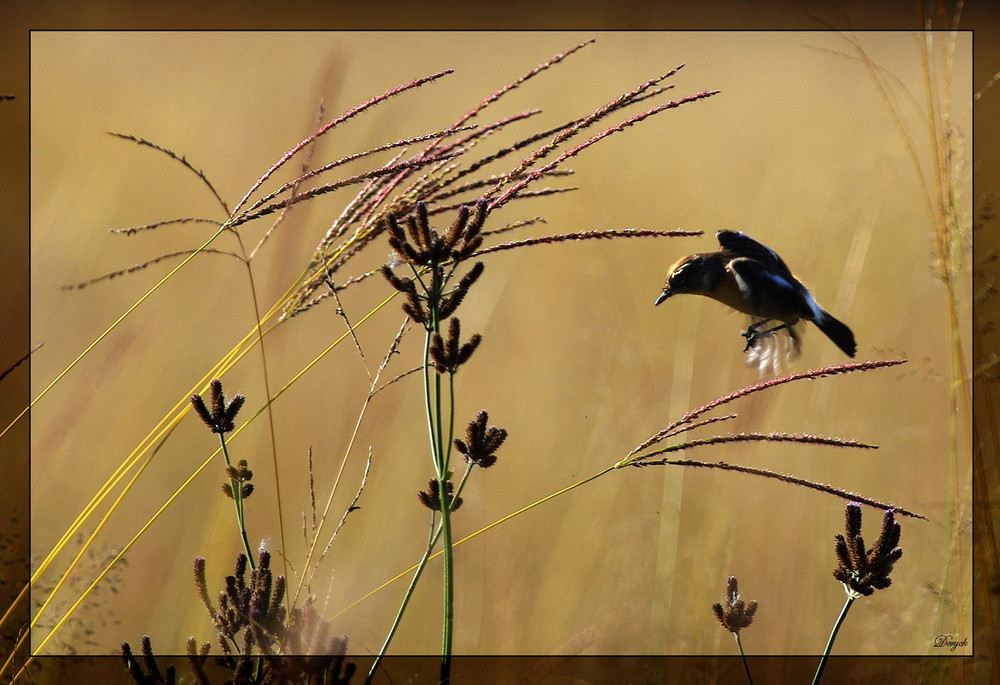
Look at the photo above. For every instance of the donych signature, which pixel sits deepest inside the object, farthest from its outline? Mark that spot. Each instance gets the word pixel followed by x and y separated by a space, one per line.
pixel 949 642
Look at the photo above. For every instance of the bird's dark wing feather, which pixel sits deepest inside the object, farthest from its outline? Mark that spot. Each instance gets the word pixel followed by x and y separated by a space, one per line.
pixel 768 293
pixel 738 244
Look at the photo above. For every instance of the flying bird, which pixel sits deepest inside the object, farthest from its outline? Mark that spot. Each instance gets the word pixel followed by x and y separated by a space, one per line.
pixel 751 278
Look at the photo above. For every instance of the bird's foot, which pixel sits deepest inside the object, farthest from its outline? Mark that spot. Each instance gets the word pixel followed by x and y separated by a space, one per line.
pixel 753 335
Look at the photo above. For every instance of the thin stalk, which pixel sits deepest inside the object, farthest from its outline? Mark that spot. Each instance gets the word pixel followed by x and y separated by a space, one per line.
pixel 427 399
pixel 270 421
pixel 451 428
pixel 433 405
pixel 449 583
pixel 441 451
pixel 441 457
pixel 418 570
pixel 479 532
pixel 110 328
pixel 431 541
pixel 833 636
pixel 237 489
pixel 743 658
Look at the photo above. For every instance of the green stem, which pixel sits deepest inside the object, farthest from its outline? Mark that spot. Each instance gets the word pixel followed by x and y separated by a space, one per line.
pixel 427 399
pixel 431 541
pixel 449 581
pixel 237 488
pixel 746 667
pixel 449 577
pixel 442 449
pixel 451 425
pixel 833 636
pixel 465 477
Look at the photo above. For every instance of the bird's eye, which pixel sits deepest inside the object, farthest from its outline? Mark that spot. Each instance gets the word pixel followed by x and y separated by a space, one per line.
pixel 684 272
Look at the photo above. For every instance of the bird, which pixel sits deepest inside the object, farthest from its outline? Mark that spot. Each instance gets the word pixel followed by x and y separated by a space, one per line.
pixel 751 278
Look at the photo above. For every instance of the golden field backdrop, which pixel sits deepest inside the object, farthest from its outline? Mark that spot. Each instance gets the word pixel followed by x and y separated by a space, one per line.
pixel 798 150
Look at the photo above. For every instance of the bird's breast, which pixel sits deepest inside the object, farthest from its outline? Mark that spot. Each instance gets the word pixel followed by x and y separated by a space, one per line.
pixel 728 292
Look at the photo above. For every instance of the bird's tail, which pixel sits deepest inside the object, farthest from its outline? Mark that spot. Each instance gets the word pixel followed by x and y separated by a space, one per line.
pixel 838 332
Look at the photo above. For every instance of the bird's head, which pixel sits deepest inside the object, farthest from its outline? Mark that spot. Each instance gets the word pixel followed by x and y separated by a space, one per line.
pixel 695 274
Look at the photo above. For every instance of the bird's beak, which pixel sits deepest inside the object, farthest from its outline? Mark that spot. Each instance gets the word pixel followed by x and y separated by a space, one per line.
pixel 664 295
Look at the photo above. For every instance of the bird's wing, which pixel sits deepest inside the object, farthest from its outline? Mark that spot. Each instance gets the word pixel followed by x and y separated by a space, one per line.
pixel 772 294
pixel 752 278
pixel 738 244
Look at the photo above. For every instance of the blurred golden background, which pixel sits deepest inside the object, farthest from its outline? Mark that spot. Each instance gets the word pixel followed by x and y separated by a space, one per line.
pixel 799 150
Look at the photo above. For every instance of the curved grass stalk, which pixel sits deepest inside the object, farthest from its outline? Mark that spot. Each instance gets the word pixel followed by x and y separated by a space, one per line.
pixel 307 574
pixel 170 420
pixel 155 436
pixel 164 428
pixel 177 492
pixel 686 423
pixel 456 543
pixel 110 328
pixel 63 579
